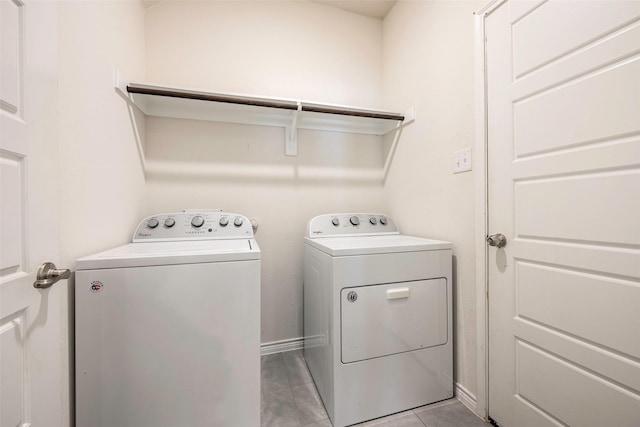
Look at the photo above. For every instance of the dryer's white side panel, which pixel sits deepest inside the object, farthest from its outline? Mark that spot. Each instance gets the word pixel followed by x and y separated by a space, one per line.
pixel 318 323
pixel 168 346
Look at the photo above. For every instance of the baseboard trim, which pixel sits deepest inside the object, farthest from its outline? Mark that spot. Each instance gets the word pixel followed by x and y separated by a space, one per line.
pixel 466 398
pixel 281 346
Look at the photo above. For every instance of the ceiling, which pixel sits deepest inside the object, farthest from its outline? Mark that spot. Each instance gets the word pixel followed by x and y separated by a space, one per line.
pixel 373 8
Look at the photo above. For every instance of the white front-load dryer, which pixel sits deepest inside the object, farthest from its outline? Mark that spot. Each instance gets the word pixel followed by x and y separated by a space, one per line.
pixel 167 328
pixel 377 317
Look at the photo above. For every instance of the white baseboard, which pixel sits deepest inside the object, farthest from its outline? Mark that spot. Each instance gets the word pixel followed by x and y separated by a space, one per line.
pixel 467 399
pixel 281 346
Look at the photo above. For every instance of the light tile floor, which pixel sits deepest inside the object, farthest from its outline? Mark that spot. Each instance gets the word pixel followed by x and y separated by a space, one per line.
pixel 290 399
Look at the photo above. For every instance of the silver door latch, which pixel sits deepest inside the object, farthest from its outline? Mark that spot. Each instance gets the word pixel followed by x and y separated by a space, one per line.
pixel 48 274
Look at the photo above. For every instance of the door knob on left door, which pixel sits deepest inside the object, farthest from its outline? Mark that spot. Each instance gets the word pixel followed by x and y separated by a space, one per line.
pixel 48 274
pixel 497 240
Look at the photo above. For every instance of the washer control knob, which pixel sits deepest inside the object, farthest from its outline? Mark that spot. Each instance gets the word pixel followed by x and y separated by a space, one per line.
pixel 238 221
pixel 224 221
pixel 354 220
pixel 152 223
pixel 169 222
pixel 335 221
pixel 373 220
pixel 197 221
pixel 383 220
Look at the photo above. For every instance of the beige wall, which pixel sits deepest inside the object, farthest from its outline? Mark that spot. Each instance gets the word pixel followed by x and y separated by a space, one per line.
pixel 295 49
pixel 289 49
pixel 101 179
pixel 428 63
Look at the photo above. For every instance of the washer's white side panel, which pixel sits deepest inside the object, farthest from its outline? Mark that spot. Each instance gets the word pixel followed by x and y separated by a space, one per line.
pixel 394 318
pixel 168 346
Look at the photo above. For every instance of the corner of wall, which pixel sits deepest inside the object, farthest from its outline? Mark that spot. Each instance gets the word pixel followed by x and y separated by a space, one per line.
pixel 102 183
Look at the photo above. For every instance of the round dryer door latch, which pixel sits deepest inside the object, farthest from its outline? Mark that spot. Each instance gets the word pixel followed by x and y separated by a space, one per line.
pixel 352 296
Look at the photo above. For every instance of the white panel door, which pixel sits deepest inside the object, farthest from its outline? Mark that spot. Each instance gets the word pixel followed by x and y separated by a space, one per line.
pixel 31 350
pixel 563 81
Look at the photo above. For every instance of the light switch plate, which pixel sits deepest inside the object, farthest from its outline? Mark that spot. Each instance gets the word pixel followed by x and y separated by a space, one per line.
pixel 462 160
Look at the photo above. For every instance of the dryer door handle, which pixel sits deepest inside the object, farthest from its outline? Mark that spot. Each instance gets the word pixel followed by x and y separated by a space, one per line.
pixel 398 293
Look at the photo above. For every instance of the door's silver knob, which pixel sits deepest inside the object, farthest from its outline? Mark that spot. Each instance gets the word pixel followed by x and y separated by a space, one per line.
pixel 48 274
pixel 497 240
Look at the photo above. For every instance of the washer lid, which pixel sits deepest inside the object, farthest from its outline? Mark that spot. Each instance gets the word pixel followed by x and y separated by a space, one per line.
pixel 367 245
pixel 166 253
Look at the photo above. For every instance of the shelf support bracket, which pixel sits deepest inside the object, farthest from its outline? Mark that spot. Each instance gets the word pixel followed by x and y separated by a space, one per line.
pixel 409 117
pixel 291 131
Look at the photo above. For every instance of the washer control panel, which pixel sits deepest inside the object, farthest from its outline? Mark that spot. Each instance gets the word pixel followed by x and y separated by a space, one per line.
pixel 195 225
pixel 350 224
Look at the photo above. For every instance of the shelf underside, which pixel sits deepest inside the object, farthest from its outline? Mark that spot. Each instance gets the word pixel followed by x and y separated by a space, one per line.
pixel 187 104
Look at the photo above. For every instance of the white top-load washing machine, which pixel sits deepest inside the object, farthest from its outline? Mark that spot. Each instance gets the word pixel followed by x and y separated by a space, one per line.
pixel 167 328
pixel 377 317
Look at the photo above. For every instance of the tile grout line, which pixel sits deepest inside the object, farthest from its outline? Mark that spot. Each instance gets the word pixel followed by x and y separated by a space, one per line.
pixel 413 411
pixel 295 402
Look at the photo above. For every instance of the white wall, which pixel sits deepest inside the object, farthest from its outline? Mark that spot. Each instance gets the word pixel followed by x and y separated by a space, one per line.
pixel 288 49
pixel 291 48
pixel 428 63
pixel 101 179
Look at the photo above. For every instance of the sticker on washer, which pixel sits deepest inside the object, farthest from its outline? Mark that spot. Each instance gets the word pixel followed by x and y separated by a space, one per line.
pixel 352 296
pixel 96 286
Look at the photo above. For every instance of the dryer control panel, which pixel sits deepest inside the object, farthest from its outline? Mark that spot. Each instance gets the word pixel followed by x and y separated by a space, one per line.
pixel 351 224
pixel 193 225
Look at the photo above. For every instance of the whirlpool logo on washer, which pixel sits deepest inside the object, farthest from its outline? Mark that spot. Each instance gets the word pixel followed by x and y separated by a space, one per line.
pixel 96 286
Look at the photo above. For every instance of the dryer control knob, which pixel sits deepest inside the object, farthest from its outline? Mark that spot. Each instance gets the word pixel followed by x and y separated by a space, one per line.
pixel 335 221
pixel 169 222
pixel 224 221
pixel 197 221
pixel 373 220
pixel 238 221
pixel 354 220
pixel 152 223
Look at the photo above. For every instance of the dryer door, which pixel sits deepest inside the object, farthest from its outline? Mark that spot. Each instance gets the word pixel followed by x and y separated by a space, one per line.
pixel 381 320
